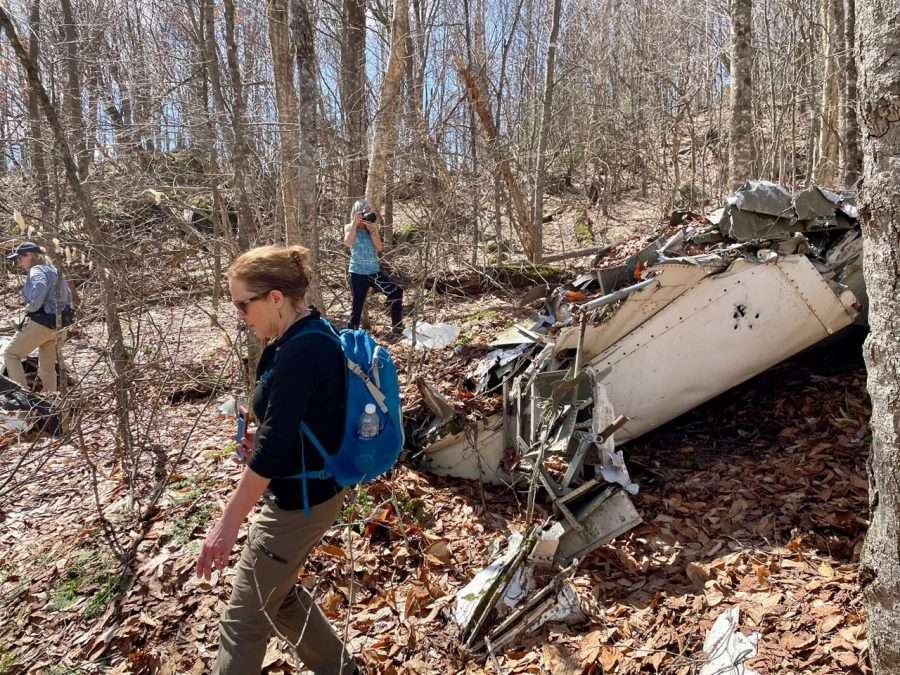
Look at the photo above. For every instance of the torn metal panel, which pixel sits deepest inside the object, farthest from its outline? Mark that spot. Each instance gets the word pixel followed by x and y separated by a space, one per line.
pixel 544 552
pixel 474 453
pixel 718 333
pixel 815 202
pixel 614 278
pixel 472 599
pixel 742 225
pixel 442 417
pixel 673 279
pixel 603 516
pixel 498 365
pixel 435 401
pixel 556 601
pixel 476 601
pixel 550 394
pixel 516 335
pixel 762 196
pixel 845 257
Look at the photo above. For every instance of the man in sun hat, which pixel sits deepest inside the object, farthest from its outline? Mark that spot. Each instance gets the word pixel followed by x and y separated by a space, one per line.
pixel 43 288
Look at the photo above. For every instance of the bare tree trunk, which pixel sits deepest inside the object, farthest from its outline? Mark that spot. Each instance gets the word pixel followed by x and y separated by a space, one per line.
pixel 827 164
pixel 307 172
pixel 38 163
pixel 537 215
pixel 741 93
pixel 386 120
pixel 204 146
pixel 241 153
pixel 219 111
pixel 473 142
pixel 878 37
pixel 435 169
pixel 353 94
pixel 522 222
pixel 75 120
pixel 288 117
pixel 852 153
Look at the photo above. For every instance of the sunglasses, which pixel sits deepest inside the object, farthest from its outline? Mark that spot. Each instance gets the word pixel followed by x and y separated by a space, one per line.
pixel 243 305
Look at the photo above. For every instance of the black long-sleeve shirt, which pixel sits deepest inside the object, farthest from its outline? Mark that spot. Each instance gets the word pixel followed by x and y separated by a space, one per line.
pixel 307 383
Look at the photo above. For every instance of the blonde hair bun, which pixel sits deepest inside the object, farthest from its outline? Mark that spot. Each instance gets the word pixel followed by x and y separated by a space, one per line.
pixel 274 268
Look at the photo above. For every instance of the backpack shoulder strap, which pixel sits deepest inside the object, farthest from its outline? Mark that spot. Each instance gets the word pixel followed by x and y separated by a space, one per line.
pixel 319 326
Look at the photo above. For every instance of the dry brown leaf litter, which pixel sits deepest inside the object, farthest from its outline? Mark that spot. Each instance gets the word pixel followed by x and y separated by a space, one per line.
pixel 758 499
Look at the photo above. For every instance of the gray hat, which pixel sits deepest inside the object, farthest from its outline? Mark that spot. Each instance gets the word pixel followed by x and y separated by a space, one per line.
pixel 24 247
pixel 361 205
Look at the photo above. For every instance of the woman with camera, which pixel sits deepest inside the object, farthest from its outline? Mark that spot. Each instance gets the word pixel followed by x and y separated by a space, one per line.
pixel 301 377
pixel 362 238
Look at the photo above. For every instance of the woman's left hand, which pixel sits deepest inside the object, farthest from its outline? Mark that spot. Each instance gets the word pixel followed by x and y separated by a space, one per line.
pixel 217 547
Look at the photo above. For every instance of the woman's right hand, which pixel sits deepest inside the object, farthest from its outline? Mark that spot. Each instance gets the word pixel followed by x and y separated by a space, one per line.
pixel 247 448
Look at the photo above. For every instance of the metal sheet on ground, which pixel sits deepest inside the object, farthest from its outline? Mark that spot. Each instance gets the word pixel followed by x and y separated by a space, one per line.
pixel 674 279
pixel 723 331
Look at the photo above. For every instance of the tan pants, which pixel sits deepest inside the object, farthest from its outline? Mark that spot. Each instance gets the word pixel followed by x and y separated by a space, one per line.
pixel 34 336
pixel 265 589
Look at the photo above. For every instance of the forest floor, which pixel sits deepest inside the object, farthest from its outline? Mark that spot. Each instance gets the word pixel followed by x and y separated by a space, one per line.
pixel 756 499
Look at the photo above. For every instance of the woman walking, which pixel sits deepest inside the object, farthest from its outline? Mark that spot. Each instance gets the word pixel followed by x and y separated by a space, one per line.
pixel 300 378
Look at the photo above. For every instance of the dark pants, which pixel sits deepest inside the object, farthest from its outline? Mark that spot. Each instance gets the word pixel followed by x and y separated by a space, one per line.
pixel 359 287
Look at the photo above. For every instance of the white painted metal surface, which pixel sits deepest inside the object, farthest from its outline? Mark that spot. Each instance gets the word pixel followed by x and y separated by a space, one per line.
pixel 475 455
pixel 721 331
pixel 674 280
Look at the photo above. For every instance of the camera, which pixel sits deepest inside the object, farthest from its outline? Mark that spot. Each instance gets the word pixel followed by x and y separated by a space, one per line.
pixel 370 217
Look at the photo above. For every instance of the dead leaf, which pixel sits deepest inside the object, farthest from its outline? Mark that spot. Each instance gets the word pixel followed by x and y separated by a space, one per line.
pixel 826 570
pixel 846 659
pixel 591 646
pixel 332 550
pixel 440 550
pixel 798 641
pixel 609 657
pixel 697 573
pixel 830 623
pixel 558 660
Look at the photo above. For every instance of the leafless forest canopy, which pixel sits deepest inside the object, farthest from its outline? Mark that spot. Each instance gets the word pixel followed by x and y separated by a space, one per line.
pixel 183 99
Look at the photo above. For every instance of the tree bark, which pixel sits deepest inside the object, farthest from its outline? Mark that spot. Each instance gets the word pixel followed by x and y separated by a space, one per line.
pixel 827 165
pixel 240 154
pixel 522 221
pixel 307 166
pixel 473 142
pixel 353 95
pixel 386 121
pixel 740 166
pixel 537 215
pixel 38 162
pixel 75 120
pixel 852 152
pixel 878 38
pixel 288 118
pixel 204 143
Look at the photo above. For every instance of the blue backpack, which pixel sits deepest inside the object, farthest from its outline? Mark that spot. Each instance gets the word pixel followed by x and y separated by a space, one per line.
pixel 371 378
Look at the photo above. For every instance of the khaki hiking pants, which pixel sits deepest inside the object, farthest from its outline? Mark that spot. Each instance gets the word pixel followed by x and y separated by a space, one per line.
pixel 34 336
pixel 265 590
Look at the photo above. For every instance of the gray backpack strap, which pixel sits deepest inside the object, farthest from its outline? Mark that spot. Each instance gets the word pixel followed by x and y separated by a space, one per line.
pixel 373 390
